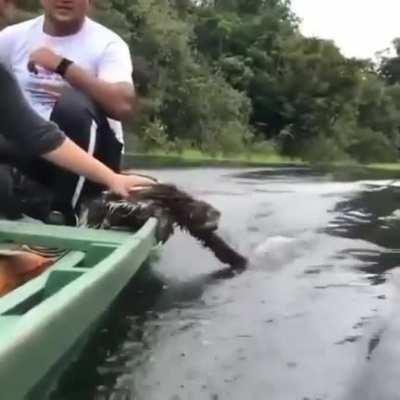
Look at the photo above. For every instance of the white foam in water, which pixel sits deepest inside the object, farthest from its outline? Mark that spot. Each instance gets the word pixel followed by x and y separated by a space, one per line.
pixel 274 251
pixel 273 243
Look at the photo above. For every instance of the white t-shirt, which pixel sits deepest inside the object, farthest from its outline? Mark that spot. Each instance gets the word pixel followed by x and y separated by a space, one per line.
pixel 95 48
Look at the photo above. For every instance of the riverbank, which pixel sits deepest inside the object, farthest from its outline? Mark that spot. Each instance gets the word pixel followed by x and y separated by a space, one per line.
pixel 193 158
pixel 388 167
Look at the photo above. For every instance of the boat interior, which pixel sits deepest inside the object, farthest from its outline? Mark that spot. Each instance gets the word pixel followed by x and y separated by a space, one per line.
pixel 81 249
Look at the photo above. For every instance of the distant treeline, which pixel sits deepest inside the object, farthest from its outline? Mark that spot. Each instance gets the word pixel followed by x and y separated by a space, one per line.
pixel 235 76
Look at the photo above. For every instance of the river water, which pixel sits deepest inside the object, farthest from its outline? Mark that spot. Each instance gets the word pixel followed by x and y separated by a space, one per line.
pixel 316 315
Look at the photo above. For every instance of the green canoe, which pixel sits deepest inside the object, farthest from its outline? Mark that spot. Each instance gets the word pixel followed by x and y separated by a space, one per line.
pixel 42 321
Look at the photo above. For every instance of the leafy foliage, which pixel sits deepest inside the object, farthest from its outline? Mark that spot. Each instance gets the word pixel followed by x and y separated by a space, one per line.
pixel 230 76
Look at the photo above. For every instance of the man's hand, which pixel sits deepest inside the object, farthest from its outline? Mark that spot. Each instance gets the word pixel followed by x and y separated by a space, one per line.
pixel 124 185
pixel 45 58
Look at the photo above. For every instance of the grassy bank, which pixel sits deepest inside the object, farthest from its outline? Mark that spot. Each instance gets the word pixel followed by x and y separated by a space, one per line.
pixel 199 158
pixel 387 167
pixel 196 158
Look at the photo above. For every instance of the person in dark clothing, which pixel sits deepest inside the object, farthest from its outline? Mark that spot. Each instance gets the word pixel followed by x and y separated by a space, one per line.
pixel 26 133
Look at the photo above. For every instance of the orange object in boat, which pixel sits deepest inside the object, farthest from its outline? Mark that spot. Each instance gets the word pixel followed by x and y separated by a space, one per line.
pixel 18 267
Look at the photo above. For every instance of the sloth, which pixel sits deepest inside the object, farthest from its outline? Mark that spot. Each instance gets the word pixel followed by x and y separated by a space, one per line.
pixel 172 207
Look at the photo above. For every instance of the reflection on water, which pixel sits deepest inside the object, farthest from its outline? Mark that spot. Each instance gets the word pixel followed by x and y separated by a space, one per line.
pixel 371 215
pixel 366 216
pixel 314 317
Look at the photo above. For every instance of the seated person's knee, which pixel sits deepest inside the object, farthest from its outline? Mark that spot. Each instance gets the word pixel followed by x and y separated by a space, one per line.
pixel 73 109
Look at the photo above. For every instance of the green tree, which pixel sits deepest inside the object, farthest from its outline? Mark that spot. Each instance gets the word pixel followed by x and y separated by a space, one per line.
pixel 226 75
pixel 390 66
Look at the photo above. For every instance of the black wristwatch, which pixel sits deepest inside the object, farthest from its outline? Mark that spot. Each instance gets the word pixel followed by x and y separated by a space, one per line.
pixel 63 66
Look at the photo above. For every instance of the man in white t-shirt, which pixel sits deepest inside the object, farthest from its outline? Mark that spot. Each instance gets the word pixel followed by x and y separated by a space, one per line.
pixel 78 74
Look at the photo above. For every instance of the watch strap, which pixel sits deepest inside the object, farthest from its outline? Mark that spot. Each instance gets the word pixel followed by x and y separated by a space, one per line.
pixel 62 68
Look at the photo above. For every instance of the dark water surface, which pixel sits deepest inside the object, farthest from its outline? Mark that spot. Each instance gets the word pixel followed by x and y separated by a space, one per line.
pixel 316 316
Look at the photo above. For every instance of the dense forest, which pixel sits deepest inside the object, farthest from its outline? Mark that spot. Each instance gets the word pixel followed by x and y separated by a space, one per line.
pixel 234 76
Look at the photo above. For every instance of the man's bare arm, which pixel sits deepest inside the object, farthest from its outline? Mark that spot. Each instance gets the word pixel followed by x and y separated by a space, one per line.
pixel 72 158
pixel 117 99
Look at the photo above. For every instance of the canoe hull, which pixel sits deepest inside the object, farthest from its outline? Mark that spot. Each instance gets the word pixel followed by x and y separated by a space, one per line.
pixel 36 340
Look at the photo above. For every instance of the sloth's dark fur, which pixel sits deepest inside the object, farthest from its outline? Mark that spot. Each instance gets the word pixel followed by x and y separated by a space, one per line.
pixel 172 207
